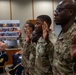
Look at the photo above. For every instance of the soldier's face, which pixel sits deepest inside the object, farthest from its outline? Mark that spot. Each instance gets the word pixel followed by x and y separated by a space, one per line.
pixel 38 26
pixel 25 27
pixel 62 14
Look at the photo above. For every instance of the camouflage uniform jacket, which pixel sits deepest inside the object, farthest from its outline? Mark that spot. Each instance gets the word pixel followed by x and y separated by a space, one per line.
pixel 32 59
pixel 28 57
pixel 44 57
pixel 63 63
pixel 52 37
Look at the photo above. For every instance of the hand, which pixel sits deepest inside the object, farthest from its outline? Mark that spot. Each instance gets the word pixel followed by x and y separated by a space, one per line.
pixel 73 47
pixel 28 36
pixel 20 52
pixel 45 30
pixel 19 32
pixel 73 50
pixel 17 52
pixel 74 39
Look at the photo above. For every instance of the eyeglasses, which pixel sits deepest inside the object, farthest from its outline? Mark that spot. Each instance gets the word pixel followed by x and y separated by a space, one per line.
pixel 61 9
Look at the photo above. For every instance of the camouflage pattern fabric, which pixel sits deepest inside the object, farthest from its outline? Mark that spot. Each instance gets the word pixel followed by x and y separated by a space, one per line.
pixel 44 57
pixel 63 63
pixel 32 59
pixel 28 57
pixel 52 37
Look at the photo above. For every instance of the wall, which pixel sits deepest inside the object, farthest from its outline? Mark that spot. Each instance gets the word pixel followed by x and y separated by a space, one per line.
pixel 43 7
pixel 4 10
pixel 24 10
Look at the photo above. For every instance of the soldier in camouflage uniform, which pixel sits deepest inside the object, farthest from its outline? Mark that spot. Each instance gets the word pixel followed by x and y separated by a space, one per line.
pixel 44 48
pixel 64 14
pixel 28 53
pixel 28 56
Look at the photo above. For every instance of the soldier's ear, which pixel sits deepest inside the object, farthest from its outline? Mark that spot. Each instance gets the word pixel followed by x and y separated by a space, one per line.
pixel 71 12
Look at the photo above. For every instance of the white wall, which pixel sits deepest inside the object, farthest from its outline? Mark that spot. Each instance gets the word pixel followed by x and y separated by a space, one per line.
pixel 22 10
pixel 43 7
pixel 4 10
pixel 56 3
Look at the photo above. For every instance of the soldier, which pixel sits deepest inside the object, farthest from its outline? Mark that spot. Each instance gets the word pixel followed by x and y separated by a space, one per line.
pixel 28 56
pixel 65 16
pixel 44 48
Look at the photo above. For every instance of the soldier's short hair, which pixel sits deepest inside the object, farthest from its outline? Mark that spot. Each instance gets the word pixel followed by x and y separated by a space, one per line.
pixel 45 18
pixel 31 25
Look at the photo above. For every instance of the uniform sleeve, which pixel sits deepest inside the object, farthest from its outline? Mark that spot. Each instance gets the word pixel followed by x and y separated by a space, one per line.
pixel 25 55
pixel 32 57
pixel 50 52
pixel 49 49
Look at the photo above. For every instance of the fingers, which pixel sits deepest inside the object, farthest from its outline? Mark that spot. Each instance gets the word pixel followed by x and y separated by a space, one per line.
pixel 45 26
pixel 28 36
pixel 28 33
pixel 72 49
pixel 74 39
